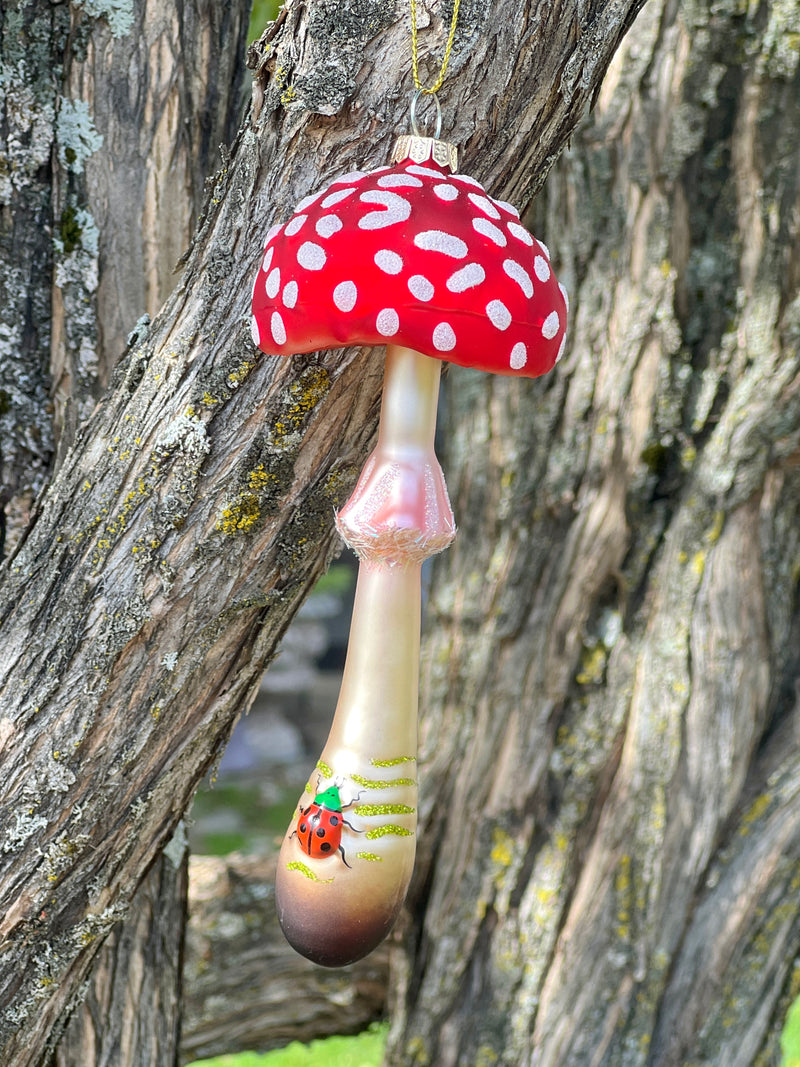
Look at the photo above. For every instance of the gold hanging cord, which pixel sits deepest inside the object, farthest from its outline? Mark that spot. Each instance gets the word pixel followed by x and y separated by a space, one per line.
pixel 433 89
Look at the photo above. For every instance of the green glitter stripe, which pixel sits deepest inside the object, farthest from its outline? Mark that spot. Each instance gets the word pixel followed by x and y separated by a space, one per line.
pixel 393 762
pixel 384 809
pixel 295 865
pixel 377 783
pixel 324 769
pixel 369 856
pixel 384 831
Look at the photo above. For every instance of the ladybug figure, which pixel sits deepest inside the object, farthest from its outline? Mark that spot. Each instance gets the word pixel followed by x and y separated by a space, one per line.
pixel 319 826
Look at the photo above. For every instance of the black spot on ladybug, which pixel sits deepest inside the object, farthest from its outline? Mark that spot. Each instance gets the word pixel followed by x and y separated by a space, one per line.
pixel 334 820
pixel 321 831
pixel 303 827
pixel 325 846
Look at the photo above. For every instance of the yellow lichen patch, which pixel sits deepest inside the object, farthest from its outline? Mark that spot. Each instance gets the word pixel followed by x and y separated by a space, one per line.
pixel 240 515
pixel 392 762
pixel 296 865
pixel 259 478
pixel 485 1056
pixel 209 400
pixel 712 535
pixel 623 887
pixel 754 812
pixel 370 856
pixel 593 665
pixel 502 848
pixel 236 377
pixel 699 563
pixel 391 830
pixel 304 395
pixel 324 769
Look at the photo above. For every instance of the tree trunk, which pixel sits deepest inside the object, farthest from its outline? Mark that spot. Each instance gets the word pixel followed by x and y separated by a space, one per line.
pixel 193 509
pixel 131 1014
pixel 609 848
pixel 161 89
pixel 244 987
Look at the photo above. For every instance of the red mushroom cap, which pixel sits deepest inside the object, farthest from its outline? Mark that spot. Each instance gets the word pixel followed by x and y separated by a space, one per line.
pixel 415 256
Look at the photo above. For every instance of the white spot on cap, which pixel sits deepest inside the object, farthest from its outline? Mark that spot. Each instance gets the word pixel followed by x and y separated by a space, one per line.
pixel 311 256
pixel 337 197
pixel 520 233
pixel 290 295
pixel 392 181
pixel 518 274
pixel 328 225
pixel 278 329
pixel 426 172
pixel 295 225
pixel 565 294
pixel 551 325
pixel 561 348
pixel 273 283
pixel 485 205
pixel 439 241
pixel 273 231
pixel 270 252
pixel 466 278
pixel 389 261
pixel 499 315
pixel 506 207
pixel 519 356
pixel 541 268
pixel 544 248
pixel 488 229
pixel 307 201
pixel 446 192
pixel 396 209
pixel 254 331
pixel 444 340
pixel 345 295
pixel 387 322
pixel 420 287
pixel 468 181
pixel 352 176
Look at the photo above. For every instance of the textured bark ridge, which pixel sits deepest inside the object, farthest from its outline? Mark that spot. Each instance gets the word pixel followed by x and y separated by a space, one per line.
pixel 132 1009
pixel 194 508
pixel 610 840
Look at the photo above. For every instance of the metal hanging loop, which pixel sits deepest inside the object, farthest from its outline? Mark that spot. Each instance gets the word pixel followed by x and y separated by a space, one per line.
pixel 414 126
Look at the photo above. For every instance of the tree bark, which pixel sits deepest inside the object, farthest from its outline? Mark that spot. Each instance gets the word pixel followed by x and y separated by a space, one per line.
pixel 244 987
pixel 131 1014
pixel 610 829
pixel 193 510
pixel 160 88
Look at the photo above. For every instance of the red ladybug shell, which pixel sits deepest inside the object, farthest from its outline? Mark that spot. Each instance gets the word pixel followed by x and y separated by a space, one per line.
pixel 319 826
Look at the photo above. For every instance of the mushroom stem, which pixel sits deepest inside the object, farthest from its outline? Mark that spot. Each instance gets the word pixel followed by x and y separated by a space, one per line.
pixel 335 908
pixel 400 511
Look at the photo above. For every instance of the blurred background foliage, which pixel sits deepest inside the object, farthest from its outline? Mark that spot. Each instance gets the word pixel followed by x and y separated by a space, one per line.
pixel 264 11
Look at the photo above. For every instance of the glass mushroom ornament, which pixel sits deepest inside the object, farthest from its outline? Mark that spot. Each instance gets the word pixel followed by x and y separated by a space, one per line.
pixel 422 260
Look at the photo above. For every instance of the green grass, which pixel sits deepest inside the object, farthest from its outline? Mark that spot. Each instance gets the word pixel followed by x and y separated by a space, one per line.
pixel 364 1050
pixel 790 1038
pixel 260 823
